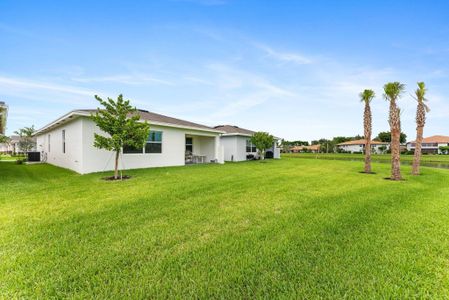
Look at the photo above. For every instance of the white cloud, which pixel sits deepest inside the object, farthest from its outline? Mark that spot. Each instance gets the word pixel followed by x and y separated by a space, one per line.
pixel 25 84
pixel 242 90
pixel 284 56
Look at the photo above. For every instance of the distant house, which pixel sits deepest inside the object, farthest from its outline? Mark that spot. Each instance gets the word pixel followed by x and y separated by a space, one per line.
pixel 430 144
pixel 359 146
pixel 312 148
pixel 68 142
pixel 13 146
pixel 237 144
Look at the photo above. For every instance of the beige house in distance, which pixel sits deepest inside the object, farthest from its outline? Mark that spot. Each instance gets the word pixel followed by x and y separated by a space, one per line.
pixel 359 146
pixel 430 144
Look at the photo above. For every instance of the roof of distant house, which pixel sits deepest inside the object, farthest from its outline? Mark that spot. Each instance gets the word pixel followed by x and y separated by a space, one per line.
pixel 361 142
pixel 152 118
pixel 311 147
pixel 434 139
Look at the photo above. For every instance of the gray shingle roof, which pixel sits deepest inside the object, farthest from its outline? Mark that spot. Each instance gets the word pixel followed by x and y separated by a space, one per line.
pixel 231 129
pixel 144 115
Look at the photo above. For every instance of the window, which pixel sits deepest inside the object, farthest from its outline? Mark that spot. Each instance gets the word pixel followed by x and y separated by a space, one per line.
pixel 63 141
pixel 189 144
pixel 131 149
pixel 250 146
pixel 48 143
pixel 154 142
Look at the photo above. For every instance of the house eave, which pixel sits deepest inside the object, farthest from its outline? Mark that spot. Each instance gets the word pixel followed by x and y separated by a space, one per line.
pixel 76 113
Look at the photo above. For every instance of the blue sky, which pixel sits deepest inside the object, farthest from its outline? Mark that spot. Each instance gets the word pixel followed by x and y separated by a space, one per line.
pixel 293 68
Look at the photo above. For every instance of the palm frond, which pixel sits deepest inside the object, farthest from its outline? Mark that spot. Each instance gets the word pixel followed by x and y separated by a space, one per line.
pixel 393 90
pixel 367 95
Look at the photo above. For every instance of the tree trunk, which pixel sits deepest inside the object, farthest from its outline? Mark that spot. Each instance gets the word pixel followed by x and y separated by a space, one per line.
pixel 395 155
pixel 418 146
pixel 117 155
pixel 368 156
pixel 395 126
pixel 367 126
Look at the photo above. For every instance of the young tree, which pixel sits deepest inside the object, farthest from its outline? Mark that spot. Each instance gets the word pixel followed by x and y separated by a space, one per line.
pixel 4 139
pixel 392 92
pixel 367 96
pixel 382 149
pixel 285 146
pixel 421 111
pixel 26 142
pixel 385 136
pixel 262 141
pixel 121 121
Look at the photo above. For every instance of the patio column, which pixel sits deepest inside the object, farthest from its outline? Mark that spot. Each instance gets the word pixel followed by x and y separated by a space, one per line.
pixel 218 151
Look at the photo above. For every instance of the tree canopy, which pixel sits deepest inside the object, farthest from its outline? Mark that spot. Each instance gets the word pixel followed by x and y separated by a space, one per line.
pixel 121 121
pixel 262 141
pixel 26 142
pixel 385 136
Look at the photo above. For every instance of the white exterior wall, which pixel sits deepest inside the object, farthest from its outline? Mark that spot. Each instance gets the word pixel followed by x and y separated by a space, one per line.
pixel 82 157
pixel 72 158
pixel 425 147
pixel 352 148
pixel 98 160
pixel 5 147
pixel 361 148
pixel 173 149
pixel 234 148
pixel 229 144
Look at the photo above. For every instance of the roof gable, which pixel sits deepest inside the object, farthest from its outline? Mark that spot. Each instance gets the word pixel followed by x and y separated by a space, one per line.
pixel 434 139
pixel 361 142
pixel 232 129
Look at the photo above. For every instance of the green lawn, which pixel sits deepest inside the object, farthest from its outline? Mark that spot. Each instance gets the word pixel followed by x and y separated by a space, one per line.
pixel 7 157
pixel 375 157
pixel 292 228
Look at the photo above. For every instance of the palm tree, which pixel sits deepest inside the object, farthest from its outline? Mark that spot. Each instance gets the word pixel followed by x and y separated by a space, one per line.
pixel 421 111
pixel 366 96
pixel 392 92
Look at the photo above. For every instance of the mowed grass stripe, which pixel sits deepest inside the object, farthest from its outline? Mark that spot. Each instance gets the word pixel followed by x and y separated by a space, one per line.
pixel 287 228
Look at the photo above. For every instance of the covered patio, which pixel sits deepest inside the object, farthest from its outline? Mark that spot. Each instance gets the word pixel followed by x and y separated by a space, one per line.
pixel 200 149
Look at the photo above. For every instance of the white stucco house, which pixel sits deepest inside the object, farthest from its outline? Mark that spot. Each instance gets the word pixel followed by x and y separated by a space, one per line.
pixel 431 144
pixel 237 145
pixel 68 142
pixel 359 146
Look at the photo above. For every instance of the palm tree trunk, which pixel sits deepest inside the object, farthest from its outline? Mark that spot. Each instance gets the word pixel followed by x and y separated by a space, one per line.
pixel 367 126
pixel 395 126
pixel 395 155
pixel 117 154
pixel 368 156
pixel 418 146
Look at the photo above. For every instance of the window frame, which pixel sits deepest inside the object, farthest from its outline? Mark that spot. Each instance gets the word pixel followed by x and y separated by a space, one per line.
pixel 191 143
pixel 48 140
pixel 128 153
pixel 63 141
pixel 154 142
pixel 249 145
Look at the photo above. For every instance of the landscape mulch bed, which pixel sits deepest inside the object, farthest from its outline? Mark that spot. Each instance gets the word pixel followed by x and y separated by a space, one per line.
pixel 111 178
